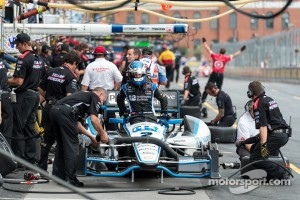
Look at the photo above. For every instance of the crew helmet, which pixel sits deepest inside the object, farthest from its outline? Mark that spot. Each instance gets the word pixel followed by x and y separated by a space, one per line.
pixel 137 73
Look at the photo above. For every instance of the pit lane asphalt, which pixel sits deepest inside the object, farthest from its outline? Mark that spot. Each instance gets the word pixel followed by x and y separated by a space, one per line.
pixel 284 94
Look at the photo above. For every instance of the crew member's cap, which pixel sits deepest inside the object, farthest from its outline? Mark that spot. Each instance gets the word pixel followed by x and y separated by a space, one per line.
pixel 65 47
pixel 147 51
pixel 45 48
pixel 100 50
pixel 186 70
pixel 22 37
pixel 126 47
pixel 59 44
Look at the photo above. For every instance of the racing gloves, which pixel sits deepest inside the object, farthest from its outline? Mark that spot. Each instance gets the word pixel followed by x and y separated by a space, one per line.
pixel 183 102
pixel 98 139
pixel 263 150
pixel 163 120
pixel 239 143
pixel 251 140
pixel 243 48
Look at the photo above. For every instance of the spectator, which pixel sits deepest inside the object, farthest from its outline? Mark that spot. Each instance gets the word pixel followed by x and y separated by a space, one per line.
pixel 178 56
pixel 167 59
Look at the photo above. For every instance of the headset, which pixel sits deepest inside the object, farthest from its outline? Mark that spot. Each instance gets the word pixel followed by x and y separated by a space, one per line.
pixel 34 48
pixel 45 49
pixel 250 93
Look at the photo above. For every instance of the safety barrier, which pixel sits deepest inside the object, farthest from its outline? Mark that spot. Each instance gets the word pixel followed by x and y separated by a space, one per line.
pixel 285 75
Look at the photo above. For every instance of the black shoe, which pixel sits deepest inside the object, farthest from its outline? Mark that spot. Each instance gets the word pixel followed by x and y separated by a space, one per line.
pixel 21 167
pixel 204 112
pixel 287 174
pixel 286 177
pixel 16 171
pixel 74 181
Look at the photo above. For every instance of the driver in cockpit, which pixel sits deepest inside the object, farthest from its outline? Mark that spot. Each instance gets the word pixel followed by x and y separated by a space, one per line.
pixel 139 92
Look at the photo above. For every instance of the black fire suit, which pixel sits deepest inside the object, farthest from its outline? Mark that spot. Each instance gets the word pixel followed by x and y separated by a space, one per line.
pixel 57 83
pixel 191 84
pixel 58 60
pixel 267 113
pixel 64 116
pixel 6 109
pixel 141 101
pixel 31 68
pixel 223 101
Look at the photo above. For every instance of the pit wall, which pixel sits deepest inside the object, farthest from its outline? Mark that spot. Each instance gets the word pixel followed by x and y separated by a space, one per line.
pixel 285 75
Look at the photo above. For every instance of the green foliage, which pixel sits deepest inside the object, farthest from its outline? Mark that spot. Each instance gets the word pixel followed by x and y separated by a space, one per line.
pixel 183 50
pixel 198 52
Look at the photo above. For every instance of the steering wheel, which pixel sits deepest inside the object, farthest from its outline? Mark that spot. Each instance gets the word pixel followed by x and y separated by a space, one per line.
pixel 120 129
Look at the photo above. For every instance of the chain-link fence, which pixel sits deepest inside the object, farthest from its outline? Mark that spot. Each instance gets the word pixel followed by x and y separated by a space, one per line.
pixel 277 51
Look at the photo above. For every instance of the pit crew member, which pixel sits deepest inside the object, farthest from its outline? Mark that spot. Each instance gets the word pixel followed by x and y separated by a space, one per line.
pixel 273 130
pixel 226 115
pixel 29 70
pixel 64 116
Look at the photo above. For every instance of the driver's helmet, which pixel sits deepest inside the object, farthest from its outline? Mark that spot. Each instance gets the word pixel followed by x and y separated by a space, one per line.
pixel 137 73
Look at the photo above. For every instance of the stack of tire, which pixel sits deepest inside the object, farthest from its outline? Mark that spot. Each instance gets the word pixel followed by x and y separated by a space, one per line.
pixel 223 134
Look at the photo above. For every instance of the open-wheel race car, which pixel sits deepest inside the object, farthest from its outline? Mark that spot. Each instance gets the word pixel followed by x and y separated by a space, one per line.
pixel 150 146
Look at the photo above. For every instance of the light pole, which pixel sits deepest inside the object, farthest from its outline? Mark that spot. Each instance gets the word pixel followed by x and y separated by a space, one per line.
pixel 2 7
pixel 296 54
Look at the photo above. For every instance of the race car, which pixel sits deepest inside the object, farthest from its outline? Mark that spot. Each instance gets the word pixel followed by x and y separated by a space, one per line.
pixel 149 146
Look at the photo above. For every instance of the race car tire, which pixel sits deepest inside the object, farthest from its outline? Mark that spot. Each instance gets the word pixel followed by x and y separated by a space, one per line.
pixel 245 160
pixel 193 111
pixel 223 134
